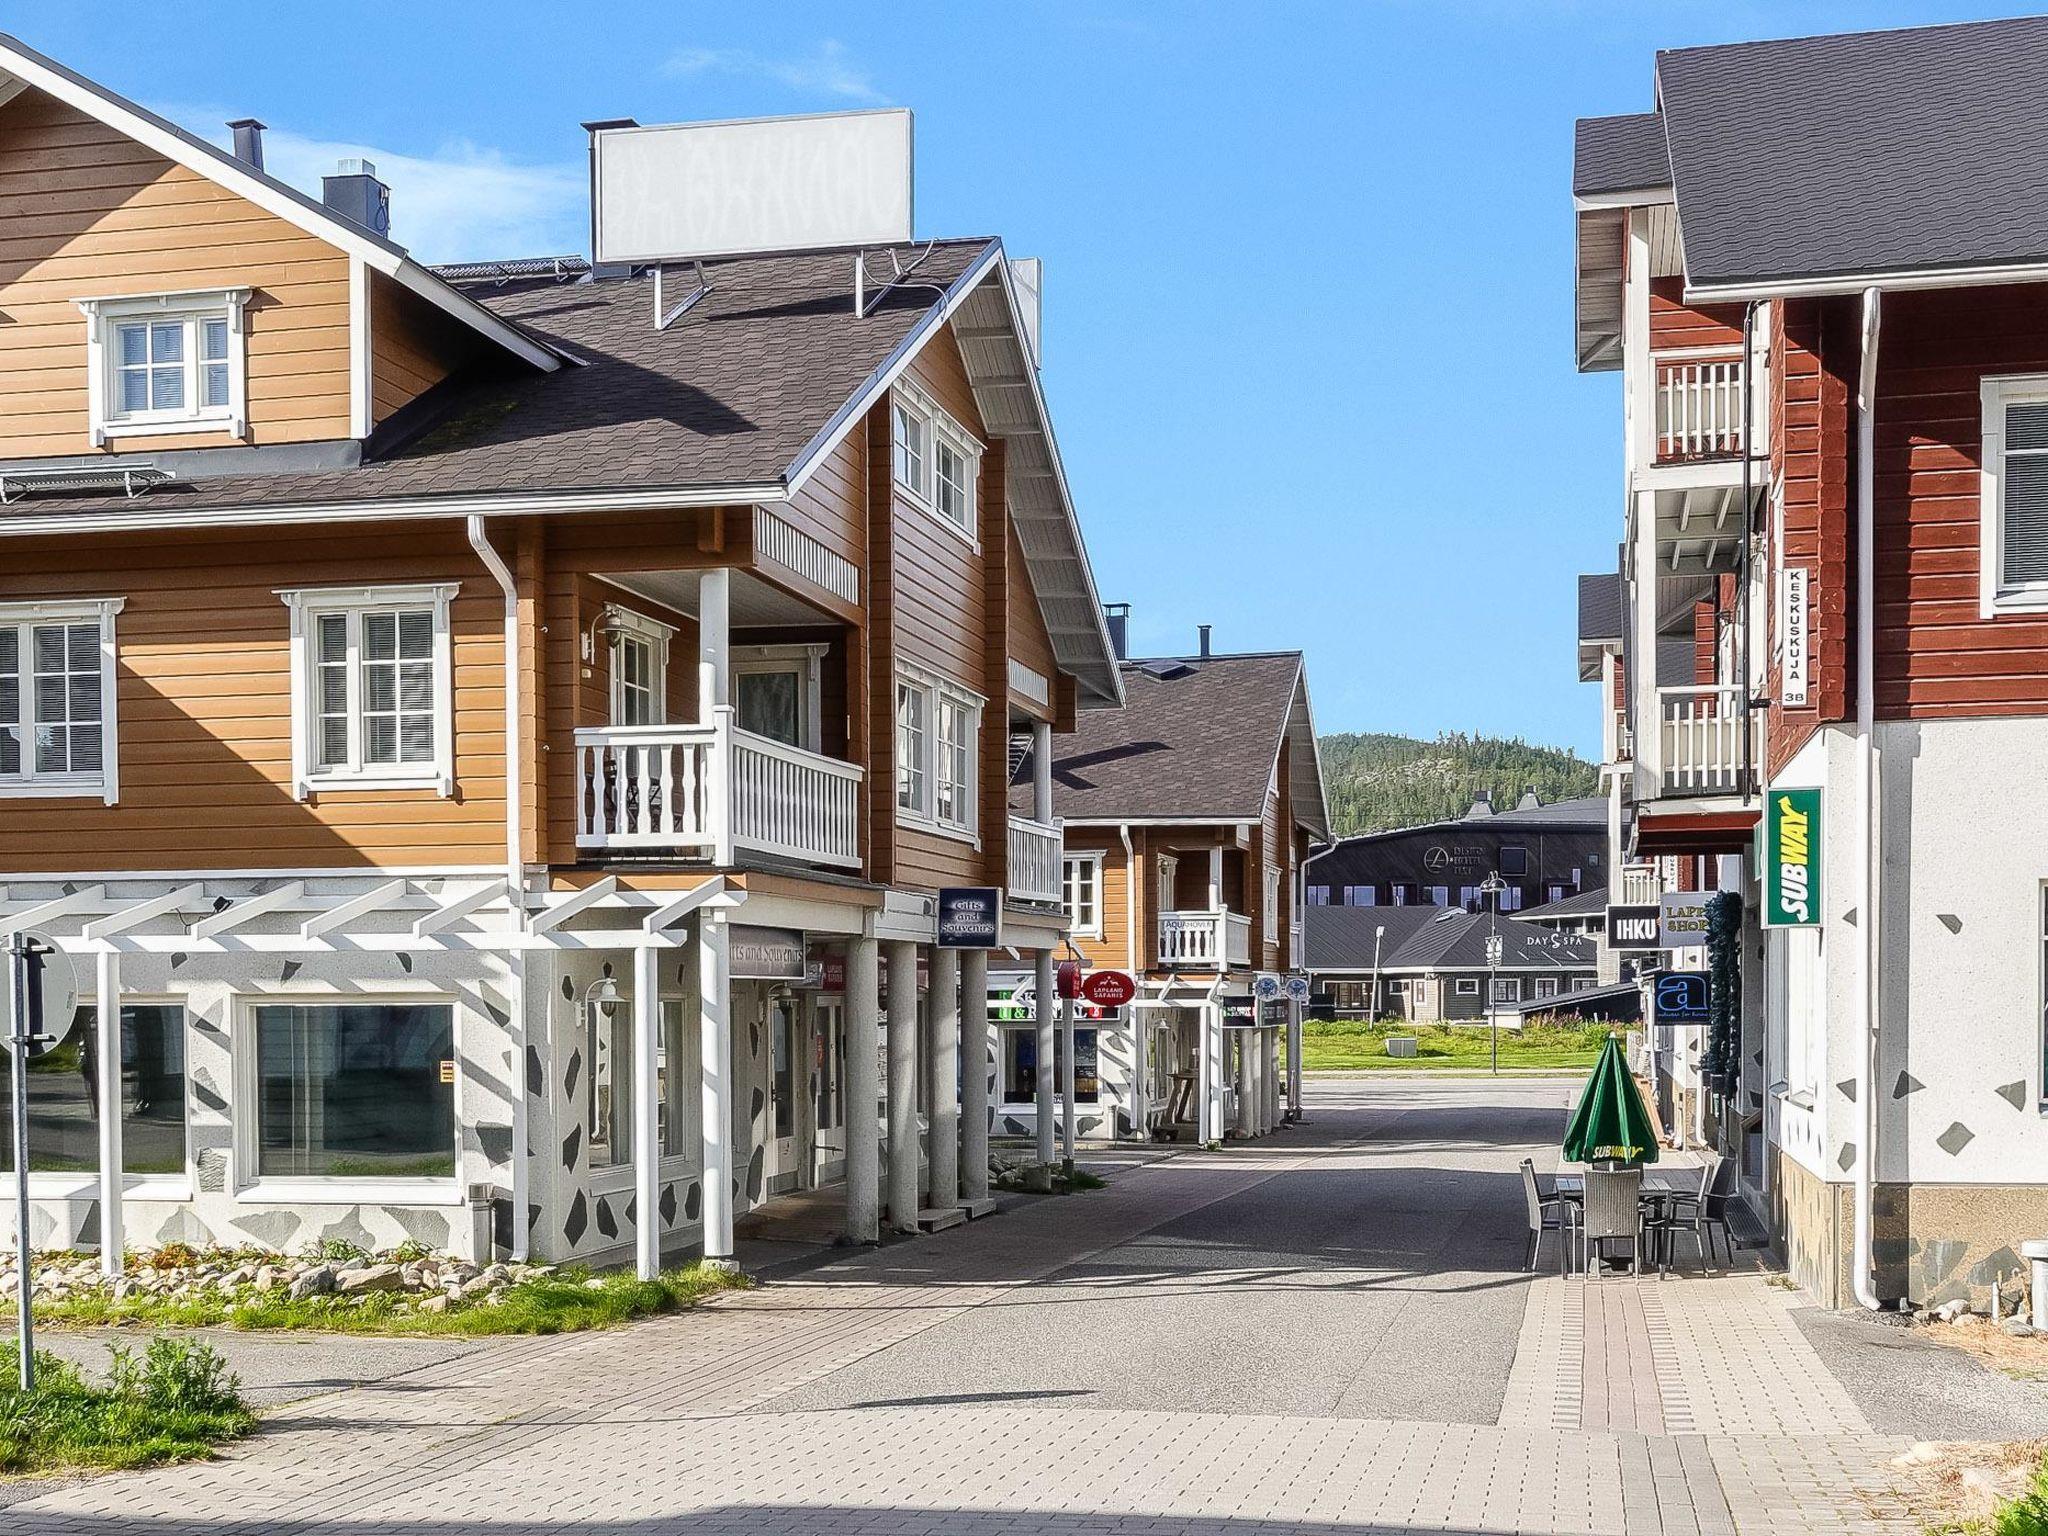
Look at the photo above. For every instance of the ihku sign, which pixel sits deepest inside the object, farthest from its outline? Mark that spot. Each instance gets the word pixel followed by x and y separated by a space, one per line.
pixel 1634 927
pixel 1792 858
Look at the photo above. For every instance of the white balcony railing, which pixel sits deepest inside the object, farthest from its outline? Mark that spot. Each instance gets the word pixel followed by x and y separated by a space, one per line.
pixel 1702 740
pixel 1640 885
pixel 1204 941
pixel 1699 409
pixel 1036 862
pixel 711 790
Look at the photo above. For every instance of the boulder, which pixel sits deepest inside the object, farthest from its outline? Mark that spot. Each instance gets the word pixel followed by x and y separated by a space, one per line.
pixel 374 1277
pixel 2018 1328
pixel 435 1304
pixel 317 1281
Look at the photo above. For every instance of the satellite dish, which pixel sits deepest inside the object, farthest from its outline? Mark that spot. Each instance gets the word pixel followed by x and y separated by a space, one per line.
pixel 54 988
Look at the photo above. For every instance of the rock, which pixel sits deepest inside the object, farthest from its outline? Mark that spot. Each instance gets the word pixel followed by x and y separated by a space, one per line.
pixel 475 1286
pixel 317 1281
pixel 268 1277
pixel 2017 1327
pixel 1922 1315
pixel 1949 1311
pixel 374 1277
pixel 593 1285
pixel 411 1276
pixel 1970 1320
pixel 435 1304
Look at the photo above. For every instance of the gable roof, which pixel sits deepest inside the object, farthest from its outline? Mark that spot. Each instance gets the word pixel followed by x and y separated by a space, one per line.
pixel 1619 154
pixel 1591 903
pixel 23 64
pixel 1198 740
pixel 1860 154
pixel 1434 939
pixel 1587 813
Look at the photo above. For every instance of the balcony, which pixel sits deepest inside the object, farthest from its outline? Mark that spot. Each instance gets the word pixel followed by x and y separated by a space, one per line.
pixel 1701 735
pixel 712 792
pixel 1641 886
pixel 1036 863
pixel 1204 941
pixel 1699 409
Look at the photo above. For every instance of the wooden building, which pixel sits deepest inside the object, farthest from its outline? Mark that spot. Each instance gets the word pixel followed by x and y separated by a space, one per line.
pixel 1831 328
pixel 1187 818
pixel 491 739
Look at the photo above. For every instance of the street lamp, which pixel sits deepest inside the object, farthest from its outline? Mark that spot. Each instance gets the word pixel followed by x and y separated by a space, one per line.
pixel 1378 934
pixel 1492 886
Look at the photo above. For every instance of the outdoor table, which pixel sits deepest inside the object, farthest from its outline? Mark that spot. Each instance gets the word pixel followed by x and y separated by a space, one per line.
pixel 1659 1185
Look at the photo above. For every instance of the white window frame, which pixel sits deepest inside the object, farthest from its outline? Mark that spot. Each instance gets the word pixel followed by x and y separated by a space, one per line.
pixel 1468 986
pixel 1270 910
pixel 189 308
pixel 917 476
pixel 245 1112
pixel 1396 986
pixel 307 605
pixel 937 693
pixel 624 627
pixel 84 1185
pixel 1996 394
pixel 29 784
pixel 807 662
pixel 1512 992
pixel 1091 863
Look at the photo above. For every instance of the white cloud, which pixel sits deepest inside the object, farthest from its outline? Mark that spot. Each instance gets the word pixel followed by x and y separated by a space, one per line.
pixel 827 70
pixel 462 202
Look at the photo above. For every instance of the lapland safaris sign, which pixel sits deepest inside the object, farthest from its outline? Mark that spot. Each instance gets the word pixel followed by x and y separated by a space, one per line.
pixel 1792 859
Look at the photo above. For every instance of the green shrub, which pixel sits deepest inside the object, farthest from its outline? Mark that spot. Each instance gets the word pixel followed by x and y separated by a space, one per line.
pixel 2026 1515
pixel 175 1404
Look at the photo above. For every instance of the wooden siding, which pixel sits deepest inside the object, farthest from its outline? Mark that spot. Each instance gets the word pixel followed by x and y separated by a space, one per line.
pixel 1111 950
pixel 1674 323
pixel 89 213
pixel 1029 643
pixel 413 346
pixel 204 690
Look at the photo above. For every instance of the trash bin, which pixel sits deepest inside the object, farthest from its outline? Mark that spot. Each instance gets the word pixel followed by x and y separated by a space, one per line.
pixel 2036 1255
pixel 1401 1045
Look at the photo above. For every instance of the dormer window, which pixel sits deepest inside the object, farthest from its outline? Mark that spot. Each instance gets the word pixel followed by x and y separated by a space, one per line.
pixel 937 461
pixel 166 363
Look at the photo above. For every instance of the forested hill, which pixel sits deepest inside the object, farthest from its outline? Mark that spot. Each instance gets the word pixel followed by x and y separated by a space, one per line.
pixel 1376 781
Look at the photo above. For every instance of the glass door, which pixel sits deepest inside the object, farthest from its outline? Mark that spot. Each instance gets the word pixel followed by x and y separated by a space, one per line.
pixel 783 1088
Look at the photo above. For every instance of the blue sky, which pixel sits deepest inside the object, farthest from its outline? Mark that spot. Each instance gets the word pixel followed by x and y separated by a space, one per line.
pixel 1308 267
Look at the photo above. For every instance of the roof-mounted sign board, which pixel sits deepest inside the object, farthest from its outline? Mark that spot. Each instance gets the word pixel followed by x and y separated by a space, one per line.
pixel 687 191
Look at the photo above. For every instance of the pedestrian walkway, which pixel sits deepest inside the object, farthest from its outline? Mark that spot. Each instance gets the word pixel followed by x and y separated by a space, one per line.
pixel 1328 1332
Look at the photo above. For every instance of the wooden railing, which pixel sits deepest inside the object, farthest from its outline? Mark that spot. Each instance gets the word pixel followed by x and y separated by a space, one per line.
pixel 710 790
pixel 1036 862
pixel 1640 885
pixel 1699 409
pixel 1204 941
pixel 1702 740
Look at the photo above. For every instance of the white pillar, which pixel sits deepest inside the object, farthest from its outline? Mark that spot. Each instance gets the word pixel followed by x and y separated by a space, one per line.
pixel 944 1156
pixel 714 626
pixel 863 1093
pixel 1140 1094
pixel 1294 1033
pixel 1216 897
pixel 112 1237
pixel 1240 1079
pixel 974 1034
pixel 522 1131
pixel 903 1201
pixel 1209 1066
pixel 1067 1009
pixel 647 1114
pixel 1045 1006
pixel 1041 771
pixel 714 987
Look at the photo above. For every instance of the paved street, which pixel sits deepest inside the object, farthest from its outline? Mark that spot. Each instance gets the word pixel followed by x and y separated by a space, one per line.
pixel 1327 1332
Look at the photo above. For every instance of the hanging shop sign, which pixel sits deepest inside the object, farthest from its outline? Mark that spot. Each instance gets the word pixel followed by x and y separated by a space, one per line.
pixel 768 954
pixel 825 969
pixel 1682 919
pixel 1635 927
pixel 1108 989
pixel 1796 658
pixel 1273 1013
pixel 1792 858
pixel 1679 998
pixel 970 917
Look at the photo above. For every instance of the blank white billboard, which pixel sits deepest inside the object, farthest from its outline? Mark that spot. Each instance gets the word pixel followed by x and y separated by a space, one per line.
pixel 759 184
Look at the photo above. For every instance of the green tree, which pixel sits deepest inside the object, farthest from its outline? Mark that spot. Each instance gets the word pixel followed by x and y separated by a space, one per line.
pixel 1376 781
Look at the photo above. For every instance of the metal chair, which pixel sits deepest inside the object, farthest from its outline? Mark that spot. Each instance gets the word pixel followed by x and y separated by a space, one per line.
pixel 1552 1214
pixel 1699 1215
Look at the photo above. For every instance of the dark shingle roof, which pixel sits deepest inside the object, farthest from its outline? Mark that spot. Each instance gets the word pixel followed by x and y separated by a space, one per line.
pixel 1600 607
pixel 1433 938
pixel 1589 812
pixel 728 395
pixel 1196 740
pixel 1586 904
pixel 1619 154
pixel 1868 152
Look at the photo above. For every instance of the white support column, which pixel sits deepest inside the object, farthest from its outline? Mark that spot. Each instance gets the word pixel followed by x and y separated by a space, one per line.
pixel 945 1080
pixel 1645 718
pixel 1068 1005
pixel 1216 900
pixel 1041 771
pixel 113 1241
pixel 863 1092
pixel 522 1129
pixel 903 1201
pixel 714 628
pixel 1140 1083
pixel 1045 1009
pixel 974 1077
pixel 647 1114
pixel 1211 1066
pixel 714 989
pixel 1294 1034
pixel 1240 1078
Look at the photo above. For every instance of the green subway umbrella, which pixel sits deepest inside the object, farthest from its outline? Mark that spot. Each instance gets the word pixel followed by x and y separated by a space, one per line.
pixel 1611 1123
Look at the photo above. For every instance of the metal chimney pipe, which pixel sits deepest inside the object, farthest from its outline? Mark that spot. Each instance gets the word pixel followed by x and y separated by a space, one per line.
pixel 248 141
pixel 1117 616
pixel 1203 631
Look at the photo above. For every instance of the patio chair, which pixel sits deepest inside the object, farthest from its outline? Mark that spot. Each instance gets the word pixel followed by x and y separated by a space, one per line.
pixel 1699 1215
pixel 1547 1214
pixel 1612 1213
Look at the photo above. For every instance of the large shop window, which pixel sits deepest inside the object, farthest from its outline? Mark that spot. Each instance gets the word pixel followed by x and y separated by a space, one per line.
pixel 372 689
pixel 355 1090
pixel 64 1098
pixel 57 698
pixel 2013 492
pixel 608 1101
pixel 1020 1064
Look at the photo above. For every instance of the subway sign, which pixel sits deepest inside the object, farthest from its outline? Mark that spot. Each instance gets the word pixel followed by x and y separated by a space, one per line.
pixel 1792 858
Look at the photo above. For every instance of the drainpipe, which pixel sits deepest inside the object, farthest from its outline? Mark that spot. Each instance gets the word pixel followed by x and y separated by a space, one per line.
pixel 1139 1055
pixel 1871 976
pixel 515 874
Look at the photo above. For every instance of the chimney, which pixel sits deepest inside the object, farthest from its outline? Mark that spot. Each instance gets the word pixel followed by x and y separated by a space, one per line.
pixel 1482 804
pixel 354 192
pixel 248 142
pixel 1118 617
pixel 1202 633
pixel 1530 801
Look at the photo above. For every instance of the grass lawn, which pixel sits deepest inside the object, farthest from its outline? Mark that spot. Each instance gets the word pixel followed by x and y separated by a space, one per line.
pixel 1353 1045
pixel 175 1403
pixel 567 1301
